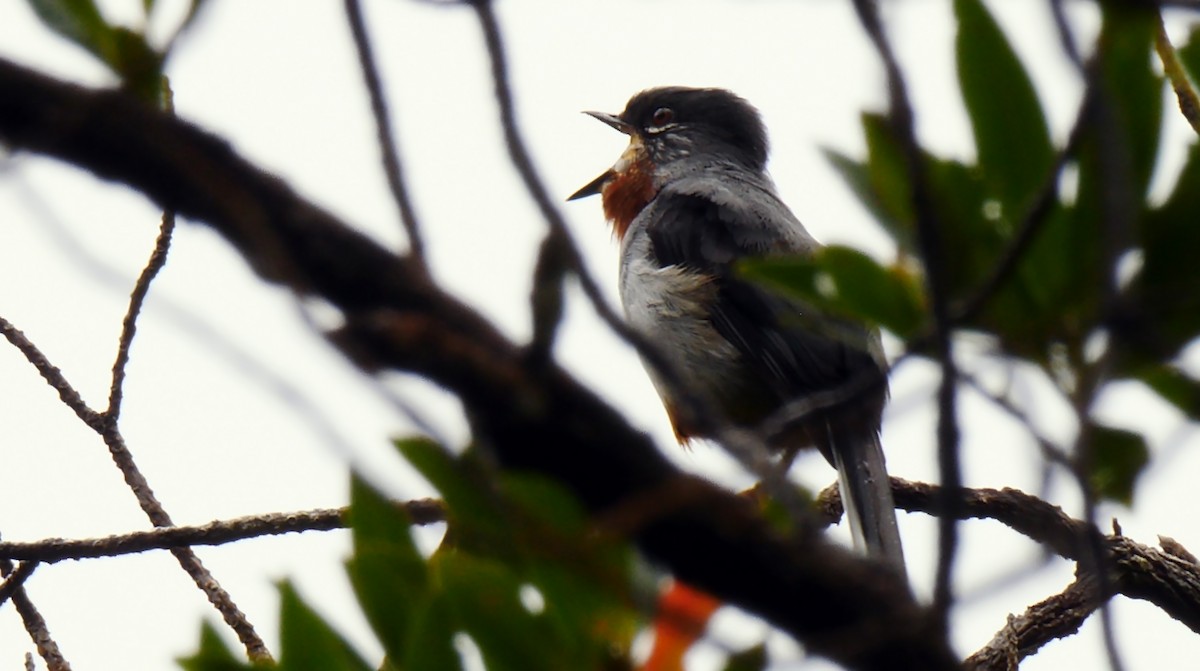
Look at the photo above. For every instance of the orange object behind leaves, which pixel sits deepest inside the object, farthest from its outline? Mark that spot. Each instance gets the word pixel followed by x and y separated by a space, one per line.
pixel 683 614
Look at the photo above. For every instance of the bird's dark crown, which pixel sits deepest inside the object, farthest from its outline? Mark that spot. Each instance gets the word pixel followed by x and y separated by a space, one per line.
pixel 713 116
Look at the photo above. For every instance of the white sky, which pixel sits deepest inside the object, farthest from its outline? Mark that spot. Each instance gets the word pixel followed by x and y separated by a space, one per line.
pixel 279 79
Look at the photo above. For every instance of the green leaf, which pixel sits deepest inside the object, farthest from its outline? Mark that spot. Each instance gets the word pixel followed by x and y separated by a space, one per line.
pixel 431 640
pixel 307 642
pixel 887 172
pixel 1128 45
pixel 1132 94
pixel 1176 387
pixel 857 176
pixel 137 64
pixel 849 283
pixel 1117 458
pixel 750 659
pixel 80 22
pixel 387 571
pixel 1164 292
pixel 1189 54
pixel 1011 135
pixel 585 579
pixel 476 517
pixel 213 654
pixel 124 51
pixel 485 598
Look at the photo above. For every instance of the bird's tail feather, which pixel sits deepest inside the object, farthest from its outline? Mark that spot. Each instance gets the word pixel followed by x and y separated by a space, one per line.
pixel 867 494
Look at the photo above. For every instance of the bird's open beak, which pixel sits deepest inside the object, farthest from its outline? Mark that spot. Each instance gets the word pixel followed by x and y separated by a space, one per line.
pixel 597 185
pixel 612 120
pixel 593 187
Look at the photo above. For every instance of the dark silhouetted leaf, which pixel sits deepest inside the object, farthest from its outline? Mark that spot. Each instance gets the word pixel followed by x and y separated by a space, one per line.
pixel 431 641
pixel 1176 387
pixel 80 22
pixel 858 177
pixel 484 596
pixel 1117 458
pixel 1167 303
pixel 137 64
pixel 584 578
pixel 1010 129
pixel 890 182
pixel 862 288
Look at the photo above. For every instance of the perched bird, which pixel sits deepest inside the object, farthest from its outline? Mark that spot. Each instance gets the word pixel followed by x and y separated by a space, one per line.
pixel 688 199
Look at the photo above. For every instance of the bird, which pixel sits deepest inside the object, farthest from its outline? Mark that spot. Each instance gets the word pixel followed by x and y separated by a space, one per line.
pixel 690 198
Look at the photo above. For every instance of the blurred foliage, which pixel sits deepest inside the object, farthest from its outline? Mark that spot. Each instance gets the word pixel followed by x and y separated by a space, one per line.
pixel 1034 243
pixel 520 572
pixel 124 51
pixel 1085 250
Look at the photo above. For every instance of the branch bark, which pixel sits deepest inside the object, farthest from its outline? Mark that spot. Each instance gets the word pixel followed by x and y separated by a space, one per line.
pixel 533 417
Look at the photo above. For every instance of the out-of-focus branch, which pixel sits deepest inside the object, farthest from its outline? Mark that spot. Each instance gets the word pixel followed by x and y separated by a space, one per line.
pixel 559 249
pixel 387 141
pixel 929 238
pixel 532 418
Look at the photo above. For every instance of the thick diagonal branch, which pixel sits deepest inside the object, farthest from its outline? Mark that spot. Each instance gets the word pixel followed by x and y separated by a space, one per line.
pixel 535 418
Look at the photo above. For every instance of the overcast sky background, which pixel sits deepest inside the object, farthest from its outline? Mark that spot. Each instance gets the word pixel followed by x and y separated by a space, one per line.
pixel 235 406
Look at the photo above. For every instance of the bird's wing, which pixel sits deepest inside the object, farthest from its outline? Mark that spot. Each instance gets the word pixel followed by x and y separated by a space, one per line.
pixel 796 350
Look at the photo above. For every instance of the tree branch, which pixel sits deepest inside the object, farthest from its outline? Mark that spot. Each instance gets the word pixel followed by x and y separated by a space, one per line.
pixel 1169 577
pixel 539 419
pixel 422 511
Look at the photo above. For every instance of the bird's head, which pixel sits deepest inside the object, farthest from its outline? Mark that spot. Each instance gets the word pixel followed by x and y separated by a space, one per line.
pixel 669 125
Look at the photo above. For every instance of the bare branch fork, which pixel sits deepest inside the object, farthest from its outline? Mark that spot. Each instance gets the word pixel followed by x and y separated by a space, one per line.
pixel 106 425
pixel 1168 577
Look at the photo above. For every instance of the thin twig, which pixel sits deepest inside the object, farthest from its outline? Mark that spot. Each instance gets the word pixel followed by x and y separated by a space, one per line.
pixel 1066 38
pixel 15 579
pixel 112 437
pixel 52 375
pixel 1053 453
pixel 34 623
pixel 398 320
pixel 1118 206
pixel 158 258
pixel 422 511
pixel 554 219
pixel 387 140
pixel 256 649
pixel 929 239
pixel 746 447
pixel 1189 102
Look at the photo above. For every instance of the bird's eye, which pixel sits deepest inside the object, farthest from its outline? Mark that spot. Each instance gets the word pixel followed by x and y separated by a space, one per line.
pixel 662 116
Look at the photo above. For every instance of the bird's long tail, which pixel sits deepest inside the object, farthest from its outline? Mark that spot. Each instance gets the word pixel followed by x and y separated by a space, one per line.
pixel 867 494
